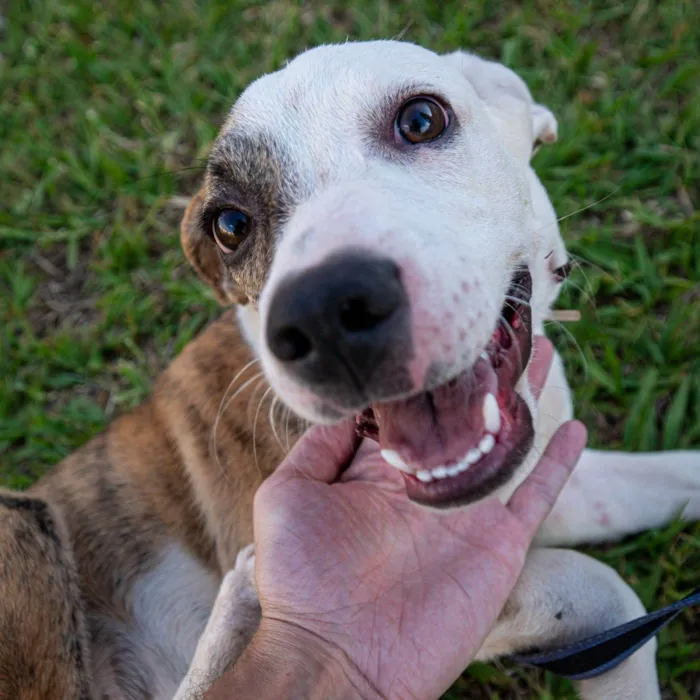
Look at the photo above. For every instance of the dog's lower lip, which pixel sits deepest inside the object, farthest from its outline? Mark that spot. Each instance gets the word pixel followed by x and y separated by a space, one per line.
pixel 490 472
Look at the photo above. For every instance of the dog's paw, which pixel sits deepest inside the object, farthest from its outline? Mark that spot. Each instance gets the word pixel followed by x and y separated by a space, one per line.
pixel 245 559
pixel 239 582
pixel 232 623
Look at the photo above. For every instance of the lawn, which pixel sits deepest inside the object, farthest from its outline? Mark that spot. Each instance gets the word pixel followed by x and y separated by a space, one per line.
pixel 108 110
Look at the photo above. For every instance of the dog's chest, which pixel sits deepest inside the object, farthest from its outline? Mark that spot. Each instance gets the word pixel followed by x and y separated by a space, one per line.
pixel 170 606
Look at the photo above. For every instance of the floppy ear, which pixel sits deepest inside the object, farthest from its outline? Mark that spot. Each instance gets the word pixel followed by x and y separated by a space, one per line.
pixel 524 124
pixel 202 253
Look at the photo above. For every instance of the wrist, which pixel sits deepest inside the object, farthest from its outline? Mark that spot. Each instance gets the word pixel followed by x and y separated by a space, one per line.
pixel 287 661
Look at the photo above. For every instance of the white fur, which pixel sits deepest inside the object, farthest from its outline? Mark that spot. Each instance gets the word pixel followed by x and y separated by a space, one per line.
pixel 612 494
pixel 457 220
pixel 231 624
pixel 171 605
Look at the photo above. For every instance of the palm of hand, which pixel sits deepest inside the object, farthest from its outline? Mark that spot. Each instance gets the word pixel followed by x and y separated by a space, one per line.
pixel 381 578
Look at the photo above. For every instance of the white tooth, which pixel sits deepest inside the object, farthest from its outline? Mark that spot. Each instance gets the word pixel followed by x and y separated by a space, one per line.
pixel 453 471
pixel 424 475
pixel 473 456
pixel 484 356
pixel 394 459
pixel 486 444
pixel 439 472
pixel 492 416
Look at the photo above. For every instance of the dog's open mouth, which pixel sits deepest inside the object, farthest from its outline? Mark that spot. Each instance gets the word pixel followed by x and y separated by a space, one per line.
pixel 461 440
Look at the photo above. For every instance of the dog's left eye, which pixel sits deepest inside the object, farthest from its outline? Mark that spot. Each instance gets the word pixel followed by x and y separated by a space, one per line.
pixel 230 228
pixel 421 119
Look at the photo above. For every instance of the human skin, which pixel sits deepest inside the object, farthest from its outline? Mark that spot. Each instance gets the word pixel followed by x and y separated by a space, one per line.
pixel 365 593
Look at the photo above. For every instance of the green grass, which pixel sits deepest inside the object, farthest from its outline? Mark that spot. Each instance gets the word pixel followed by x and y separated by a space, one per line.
pixel 108 109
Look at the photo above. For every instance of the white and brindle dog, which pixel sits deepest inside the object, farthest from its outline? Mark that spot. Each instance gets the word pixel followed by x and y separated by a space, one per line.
pixel 372 209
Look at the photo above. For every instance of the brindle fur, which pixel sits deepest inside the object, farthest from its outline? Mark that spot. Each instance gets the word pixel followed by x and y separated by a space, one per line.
pixel 257 176
pixel 43 645
pixel 150 478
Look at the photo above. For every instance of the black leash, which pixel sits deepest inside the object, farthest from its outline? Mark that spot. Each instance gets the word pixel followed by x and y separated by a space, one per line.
pixel 595 655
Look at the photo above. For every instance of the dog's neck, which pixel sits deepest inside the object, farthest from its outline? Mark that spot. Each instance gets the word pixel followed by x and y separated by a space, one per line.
pixel 226 392
pixel 215 404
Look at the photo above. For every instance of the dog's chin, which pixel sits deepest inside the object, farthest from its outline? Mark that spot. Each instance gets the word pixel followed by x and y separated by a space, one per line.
pixel 457 442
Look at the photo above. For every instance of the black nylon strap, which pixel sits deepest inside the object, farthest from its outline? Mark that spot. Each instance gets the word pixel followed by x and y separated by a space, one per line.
pixel 595 655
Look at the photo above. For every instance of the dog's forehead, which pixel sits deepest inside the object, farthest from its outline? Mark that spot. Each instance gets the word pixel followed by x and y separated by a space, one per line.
pixel 340 81
pixel 322 113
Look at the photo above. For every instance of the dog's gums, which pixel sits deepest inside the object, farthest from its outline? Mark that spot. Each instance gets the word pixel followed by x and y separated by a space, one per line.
pixel 458 441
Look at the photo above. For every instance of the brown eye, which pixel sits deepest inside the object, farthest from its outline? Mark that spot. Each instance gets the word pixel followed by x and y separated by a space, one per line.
pixel 421 119
pixel 230 228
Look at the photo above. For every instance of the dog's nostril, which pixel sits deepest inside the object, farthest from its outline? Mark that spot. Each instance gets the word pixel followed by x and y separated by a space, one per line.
pixel 357 314
pixel 344 311
pixel 289 344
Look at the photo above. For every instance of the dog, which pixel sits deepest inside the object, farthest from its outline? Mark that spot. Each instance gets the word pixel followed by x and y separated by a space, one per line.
pixel 371 211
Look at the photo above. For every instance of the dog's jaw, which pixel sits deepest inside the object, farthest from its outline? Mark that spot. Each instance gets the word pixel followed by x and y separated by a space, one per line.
pixel 459 440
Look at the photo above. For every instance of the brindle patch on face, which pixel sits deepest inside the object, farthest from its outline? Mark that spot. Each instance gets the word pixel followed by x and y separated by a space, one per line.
pixel 256 174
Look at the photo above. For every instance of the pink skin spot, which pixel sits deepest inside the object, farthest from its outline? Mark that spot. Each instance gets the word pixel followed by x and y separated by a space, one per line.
pixel 465 286
pixel 603 517
pixel 455 298
pixel 462 335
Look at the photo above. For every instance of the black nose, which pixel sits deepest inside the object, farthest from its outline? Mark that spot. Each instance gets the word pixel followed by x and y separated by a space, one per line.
pixel 339 321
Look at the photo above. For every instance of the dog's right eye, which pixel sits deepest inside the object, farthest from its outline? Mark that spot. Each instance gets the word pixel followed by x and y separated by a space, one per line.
pixel 230 228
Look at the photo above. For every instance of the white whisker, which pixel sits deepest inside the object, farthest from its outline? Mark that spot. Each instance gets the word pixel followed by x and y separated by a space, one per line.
pixel 589 294
pixel 514 341
pixel 578 211
pixel 273 422
pixel 517 300
pixel 255 425
pixel 286 427
pixel 579 261
pixel 223 405
pixel 587 297
pixel 576 344
pixel 589 206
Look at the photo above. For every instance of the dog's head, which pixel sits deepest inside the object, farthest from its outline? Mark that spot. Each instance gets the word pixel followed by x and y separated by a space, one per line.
pixel 373 205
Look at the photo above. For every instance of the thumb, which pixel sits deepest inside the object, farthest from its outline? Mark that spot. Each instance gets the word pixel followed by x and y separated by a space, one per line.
pixel 321 454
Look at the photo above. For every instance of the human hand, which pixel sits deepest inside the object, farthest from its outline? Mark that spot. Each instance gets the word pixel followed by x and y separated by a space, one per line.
pixel 400 596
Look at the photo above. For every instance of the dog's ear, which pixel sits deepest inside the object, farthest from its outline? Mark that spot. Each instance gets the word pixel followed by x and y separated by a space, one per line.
pixel 524 124
pixel 202 253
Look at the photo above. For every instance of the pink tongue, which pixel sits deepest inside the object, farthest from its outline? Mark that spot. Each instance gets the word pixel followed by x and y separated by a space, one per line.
pixel 438 428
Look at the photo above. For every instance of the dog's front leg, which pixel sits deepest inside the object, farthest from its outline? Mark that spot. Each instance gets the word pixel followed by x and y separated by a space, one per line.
pixel 614 494
pixel 563 596
pixel 231 625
